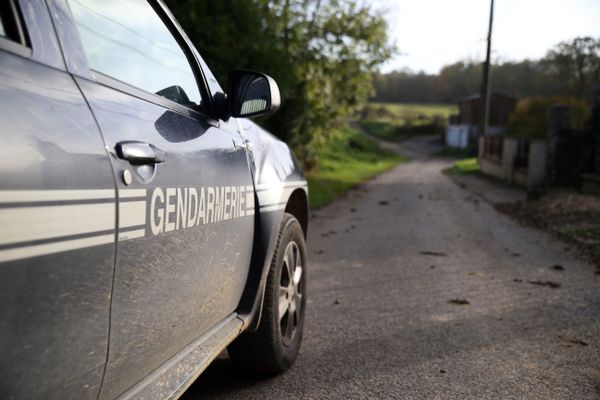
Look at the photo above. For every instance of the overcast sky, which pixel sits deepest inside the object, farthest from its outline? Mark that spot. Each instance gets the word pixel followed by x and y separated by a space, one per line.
pixel 434 33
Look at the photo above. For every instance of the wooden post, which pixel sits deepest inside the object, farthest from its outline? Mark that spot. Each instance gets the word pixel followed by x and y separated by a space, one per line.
pixel 485 85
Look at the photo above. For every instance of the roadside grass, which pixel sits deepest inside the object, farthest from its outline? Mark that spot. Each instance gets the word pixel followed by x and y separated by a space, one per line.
pixel 347 159
pixel 585 234
pixel 395 122
pixel 466 166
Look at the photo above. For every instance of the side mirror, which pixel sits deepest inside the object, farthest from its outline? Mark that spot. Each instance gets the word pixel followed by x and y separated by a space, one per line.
pixel 250 94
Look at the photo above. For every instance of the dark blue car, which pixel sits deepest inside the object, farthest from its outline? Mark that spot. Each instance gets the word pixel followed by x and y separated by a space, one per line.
pixel 145 224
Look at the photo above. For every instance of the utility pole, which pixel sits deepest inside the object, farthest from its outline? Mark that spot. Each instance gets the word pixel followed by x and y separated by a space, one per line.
pixel 485 85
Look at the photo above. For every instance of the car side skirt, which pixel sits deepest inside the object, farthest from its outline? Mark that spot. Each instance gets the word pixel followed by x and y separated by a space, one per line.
pixel 174 377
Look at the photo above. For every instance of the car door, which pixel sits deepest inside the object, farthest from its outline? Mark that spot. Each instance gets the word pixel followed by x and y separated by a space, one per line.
pixel 57 219
pixel 186 200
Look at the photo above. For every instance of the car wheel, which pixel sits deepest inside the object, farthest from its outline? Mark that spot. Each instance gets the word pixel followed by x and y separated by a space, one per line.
pixel 274 346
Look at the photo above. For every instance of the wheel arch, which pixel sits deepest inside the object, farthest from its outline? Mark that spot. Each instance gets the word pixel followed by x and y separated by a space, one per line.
pixel 297 205
pixel 267 226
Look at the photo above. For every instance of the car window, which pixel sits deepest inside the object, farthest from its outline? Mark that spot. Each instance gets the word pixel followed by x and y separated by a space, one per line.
pixel 11 24
pixel 128 41
pixel 213 84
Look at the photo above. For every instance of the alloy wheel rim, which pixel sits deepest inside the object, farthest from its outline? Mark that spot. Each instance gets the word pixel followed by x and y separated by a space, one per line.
pixel 290 293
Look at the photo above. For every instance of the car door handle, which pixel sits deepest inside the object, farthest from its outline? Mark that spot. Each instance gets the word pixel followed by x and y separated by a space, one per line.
pixel 139 153
pixel 242 144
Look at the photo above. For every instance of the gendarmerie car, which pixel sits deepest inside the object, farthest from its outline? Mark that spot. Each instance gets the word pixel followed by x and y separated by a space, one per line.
pixel 145 223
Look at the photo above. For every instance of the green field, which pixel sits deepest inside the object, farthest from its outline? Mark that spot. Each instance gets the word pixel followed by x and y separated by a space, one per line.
pixel 430 110
pixel 347 159
pixel 395 122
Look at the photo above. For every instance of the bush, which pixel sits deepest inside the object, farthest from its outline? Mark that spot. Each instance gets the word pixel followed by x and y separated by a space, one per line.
pixel 530 119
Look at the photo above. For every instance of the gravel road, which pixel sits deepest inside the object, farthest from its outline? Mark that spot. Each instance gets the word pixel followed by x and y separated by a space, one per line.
pixel 419 289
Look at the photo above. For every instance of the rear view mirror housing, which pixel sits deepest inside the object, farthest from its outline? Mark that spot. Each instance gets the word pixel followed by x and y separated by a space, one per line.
pixel 251 94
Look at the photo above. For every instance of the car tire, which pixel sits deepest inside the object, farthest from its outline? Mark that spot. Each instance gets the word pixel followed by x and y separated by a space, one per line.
pixel 274 346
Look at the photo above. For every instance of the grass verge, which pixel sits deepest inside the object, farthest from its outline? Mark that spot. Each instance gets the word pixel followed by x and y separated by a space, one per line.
pixel 466 166
pixel 347 159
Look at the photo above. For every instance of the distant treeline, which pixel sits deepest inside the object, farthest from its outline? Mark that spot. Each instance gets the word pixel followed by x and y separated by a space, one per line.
pixel 570 68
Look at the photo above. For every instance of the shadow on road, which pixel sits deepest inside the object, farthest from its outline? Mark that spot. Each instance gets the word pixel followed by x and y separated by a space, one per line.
pixel 222 378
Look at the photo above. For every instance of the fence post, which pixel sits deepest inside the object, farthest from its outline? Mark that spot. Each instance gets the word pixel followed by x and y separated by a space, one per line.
pixel 480 145
pixel 595 162
pixel 509 152
pixel 559 121
pixel 537 163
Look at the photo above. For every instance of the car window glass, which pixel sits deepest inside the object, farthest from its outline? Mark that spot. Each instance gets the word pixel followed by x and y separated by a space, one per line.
pixel 128 41
pixel 11 25
pixel 213 84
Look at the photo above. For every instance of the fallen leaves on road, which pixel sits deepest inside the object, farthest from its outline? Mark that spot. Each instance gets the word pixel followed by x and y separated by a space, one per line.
pixel 570 215
pixel 459 302
pixel 347 230
pixel 573 340
pixel 329 233
pixel 433 253
pixel 551 284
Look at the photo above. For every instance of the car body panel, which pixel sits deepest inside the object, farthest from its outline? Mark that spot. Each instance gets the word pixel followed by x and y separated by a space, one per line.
pixel 278 179
pixel 54 291
pixel 277 176
pixel 179 295
pixel 175 276
pixel 175 279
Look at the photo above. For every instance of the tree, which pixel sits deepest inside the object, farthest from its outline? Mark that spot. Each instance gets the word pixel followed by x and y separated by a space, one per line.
pixel 320 52
pixel 576 61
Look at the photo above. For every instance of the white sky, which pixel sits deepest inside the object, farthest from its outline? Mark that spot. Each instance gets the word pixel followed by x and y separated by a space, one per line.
pixel 432 33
